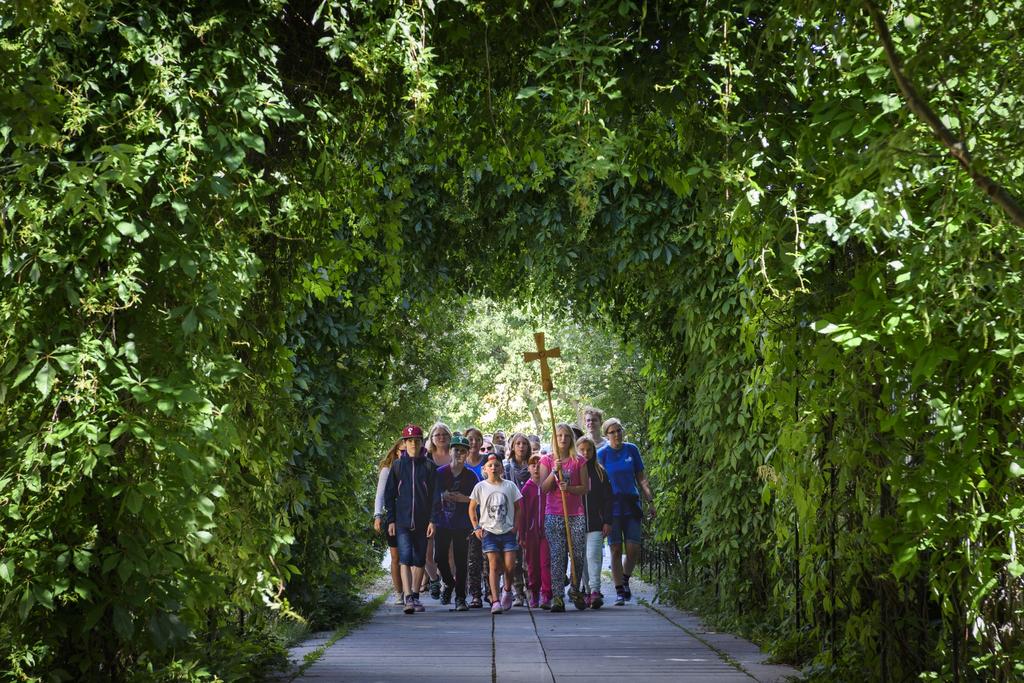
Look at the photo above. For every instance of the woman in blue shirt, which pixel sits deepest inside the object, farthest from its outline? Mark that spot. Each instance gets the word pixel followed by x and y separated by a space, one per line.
pixel 625 468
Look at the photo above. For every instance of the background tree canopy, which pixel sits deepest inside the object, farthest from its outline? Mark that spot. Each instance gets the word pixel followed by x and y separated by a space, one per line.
pixel 243 242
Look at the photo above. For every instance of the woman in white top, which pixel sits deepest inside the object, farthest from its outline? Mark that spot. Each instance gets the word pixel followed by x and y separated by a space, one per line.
pixel 439 442
pixel 378 518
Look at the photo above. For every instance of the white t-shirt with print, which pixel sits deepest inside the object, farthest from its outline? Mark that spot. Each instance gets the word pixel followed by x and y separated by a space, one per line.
pixel 496 505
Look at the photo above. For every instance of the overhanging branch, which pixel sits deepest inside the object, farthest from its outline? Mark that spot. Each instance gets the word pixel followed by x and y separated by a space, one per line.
pixel 956 147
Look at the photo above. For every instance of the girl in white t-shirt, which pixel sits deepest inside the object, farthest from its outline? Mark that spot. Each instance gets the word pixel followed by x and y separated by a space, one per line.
pixel 494 510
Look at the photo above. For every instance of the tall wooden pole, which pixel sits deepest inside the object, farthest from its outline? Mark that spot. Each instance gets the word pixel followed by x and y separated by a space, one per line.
pixel 542 355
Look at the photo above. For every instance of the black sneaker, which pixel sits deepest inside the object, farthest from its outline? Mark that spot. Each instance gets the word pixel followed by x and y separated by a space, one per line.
pixel 460 605
pixel 627 594
pixel 446 595
pixel 435 589
pixel 620 597
pixel 410 607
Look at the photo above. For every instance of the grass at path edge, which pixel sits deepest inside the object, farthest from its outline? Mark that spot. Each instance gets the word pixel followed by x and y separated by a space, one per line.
pixel 358 618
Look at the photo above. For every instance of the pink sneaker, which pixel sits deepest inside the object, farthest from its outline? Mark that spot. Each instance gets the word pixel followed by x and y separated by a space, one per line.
pixel 534 601
pixel 506 600
pixel 496 607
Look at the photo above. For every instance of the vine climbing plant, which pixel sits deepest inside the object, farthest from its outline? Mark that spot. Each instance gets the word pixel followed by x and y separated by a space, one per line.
pixel 232 237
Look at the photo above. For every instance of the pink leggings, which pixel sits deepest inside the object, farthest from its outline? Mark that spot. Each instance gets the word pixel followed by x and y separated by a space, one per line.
pixel 538 566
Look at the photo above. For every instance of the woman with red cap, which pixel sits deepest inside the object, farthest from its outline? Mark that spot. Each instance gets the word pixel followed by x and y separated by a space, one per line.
pixel 409 498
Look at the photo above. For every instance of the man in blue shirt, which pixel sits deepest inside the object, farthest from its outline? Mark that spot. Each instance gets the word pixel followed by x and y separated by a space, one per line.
pixel 626 473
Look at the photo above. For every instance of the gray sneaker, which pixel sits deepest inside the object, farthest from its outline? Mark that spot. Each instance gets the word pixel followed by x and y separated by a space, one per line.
pixel 409 606
pixel 417 605
pixel 461 606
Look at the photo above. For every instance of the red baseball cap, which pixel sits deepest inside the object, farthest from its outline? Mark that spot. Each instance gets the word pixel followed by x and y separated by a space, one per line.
pixel 412 431
pixel 493 456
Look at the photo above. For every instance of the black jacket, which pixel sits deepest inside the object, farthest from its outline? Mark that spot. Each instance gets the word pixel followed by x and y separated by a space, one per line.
pixel 598 502
pixel 409 493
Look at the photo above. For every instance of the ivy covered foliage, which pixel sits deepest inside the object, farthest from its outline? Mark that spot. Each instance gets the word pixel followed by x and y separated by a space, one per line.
pixel 233 235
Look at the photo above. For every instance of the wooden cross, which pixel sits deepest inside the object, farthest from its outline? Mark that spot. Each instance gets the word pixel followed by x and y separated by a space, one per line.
pixel 542 355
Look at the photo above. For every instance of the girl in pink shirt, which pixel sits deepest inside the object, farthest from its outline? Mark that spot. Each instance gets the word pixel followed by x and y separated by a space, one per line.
pixel 565 473
pixel 536 553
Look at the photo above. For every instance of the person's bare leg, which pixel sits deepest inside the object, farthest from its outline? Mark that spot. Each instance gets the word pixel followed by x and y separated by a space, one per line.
pixel 632 553
pixel 417 578
pixel 431 565
pixel 510 565
pixel 396 572
pixel 407 580
pixel 617 564
pixel 496 569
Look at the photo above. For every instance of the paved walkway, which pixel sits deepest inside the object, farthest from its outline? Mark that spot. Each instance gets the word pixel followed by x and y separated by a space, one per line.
pixel 643 640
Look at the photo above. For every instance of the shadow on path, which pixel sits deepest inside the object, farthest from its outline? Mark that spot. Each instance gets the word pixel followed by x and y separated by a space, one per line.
pixel 642 640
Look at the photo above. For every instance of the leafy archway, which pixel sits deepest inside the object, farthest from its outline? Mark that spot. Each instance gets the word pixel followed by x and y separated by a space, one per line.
pixel 233 235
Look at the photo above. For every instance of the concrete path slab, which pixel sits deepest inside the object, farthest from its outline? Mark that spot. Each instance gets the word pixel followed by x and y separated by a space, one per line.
pixel 644 640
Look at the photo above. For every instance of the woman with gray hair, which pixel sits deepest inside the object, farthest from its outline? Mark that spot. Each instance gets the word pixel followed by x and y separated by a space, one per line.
pixel 438 445
pixel 625 468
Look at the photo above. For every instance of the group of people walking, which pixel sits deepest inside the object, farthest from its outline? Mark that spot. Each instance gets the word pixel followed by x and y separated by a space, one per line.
pixel 493 523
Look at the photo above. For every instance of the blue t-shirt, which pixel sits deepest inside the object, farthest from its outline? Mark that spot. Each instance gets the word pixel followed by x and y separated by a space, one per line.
pixel 622 466
pixel 479 469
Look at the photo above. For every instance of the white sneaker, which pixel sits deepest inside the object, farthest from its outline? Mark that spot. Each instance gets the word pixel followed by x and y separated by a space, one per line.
pixel 399 600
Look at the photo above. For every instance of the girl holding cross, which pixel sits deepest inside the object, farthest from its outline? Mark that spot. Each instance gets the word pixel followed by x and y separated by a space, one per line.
pixel 564 476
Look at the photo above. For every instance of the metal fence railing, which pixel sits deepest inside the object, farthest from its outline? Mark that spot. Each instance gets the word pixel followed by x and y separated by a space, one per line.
pixel 659 561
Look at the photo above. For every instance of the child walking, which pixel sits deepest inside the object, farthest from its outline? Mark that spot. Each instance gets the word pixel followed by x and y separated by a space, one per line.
pixel 477 569
pixel 455 484
pixel 597 505
pixel 564 478
pixel 495 510
pixel 409 499
pixel 378 517
pixel 531 536
pixel 517 470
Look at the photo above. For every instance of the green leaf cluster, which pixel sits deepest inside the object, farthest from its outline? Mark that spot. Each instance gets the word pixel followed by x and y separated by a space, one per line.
pixel 240 246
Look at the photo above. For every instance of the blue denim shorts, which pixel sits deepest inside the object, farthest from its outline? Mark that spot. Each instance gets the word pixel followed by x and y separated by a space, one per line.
pixel 630 527
pixel 412 546
pixel 499 543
